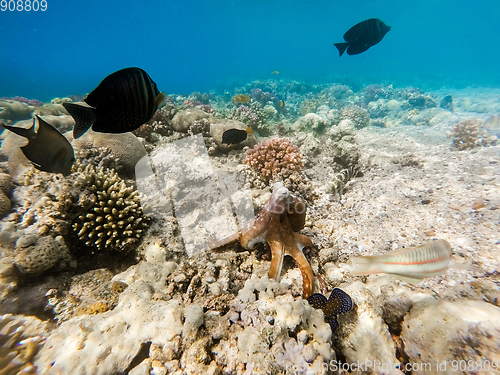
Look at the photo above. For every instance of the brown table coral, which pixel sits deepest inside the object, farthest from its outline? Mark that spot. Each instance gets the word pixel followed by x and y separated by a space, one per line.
pixel 277 223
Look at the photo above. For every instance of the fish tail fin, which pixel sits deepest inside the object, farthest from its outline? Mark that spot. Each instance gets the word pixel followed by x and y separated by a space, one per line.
pixel 249 130
pixel 341 47
pixel 84 118
pixel 364 266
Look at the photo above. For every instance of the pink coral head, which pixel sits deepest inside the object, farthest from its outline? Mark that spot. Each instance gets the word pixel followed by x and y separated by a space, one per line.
pixel 273 156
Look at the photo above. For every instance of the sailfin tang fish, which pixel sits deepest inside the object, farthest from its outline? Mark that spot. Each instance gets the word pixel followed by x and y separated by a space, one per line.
pixel 121 103
pixel 339 302
pixel 362 36
pixel 411 264
pixel 47 149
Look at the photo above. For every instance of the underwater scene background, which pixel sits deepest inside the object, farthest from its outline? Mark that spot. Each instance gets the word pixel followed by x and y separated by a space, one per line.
pixel 208 187
pixel 210 45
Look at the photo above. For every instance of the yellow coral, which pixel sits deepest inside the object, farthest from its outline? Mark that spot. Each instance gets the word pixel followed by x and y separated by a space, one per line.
pixel 116 219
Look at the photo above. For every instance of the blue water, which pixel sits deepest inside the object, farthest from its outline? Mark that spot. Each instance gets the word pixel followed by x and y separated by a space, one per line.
pixel 203 45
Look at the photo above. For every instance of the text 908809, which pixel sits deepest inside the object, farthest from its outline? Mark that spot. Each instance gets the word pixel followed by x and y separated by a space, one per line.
pixel 23 5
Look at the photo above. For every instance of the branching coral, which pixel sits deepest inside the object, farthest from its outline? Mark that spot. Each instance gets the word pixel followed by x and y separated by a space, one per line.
pixel 465 134
pixel 16 354
pixel 274 156
pixel 250 115
pixel 114 219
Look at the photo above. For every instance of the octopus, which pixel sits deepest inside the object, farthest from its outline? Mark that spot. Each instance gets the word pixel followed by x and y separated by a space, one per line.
pixel 277 224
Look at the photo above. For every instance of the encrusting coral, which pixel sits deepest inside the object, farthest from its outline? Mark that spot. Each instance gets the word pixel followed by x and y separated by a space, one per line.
pixel 114 218
pixel 16 354
pixel 273 157
pixel 358 115
pixel 5 191
pixel 277 224
pixel 125 148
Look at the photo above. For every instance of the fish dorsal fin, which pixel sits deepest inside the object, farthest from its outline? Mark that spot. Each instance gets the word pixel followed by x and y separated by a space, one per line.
pixel 84 117
pixel 44 128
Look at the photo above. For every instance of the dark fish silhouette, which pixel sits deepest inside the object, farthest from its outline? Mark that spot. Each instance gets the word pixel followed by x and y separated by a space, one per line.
pixel 233 136
pixel 447 103
pixel 339 302
pixel 362 36
pixel 47 149
pixel 121 103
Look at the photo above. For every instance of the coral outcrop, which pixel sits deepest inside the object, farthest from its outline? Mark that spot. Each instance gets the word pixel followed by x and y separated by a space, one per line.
pixel 16 350
pixel 359 116
pixel 13 110
pixel 274 156
pixel 194 119
pixel 259 338
pixel 125 148
pixel 5 191
pixel 466 134
pixel 470 330
pixel 111 216
pixel 34 259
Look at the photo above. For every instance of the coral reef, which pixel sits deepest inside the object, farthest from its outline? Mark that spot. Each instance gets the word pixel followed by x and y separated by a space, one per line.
pixel 272 332
pixel 192 119
pixel 309 106
pixel 5 192
pixel 251 115
pixel 310 122
pixel 359 116
pixel 469 328
pixel 125 149
pixel 274 156
pixel 276 224
pixel 34 259
pixel 466 135
pixel 154 306
pixel 13 110
pixel 111 216
pixel 16 350
pixel 54 108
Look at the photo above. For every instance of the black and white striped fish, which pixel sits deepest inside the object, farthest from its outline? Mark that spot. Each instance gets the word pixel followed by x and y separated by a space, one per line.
pixel 121 103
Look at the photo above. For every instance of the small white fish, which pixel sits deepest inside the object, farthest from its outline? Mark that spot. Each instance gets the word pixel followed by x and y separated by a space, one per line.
pixel 492 124
pixel 411 264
